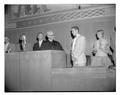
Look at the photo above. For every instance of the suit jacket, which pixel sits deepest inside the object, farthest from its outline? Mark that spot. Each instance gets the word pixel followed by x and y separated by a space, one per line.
pixel 78 52
pixel 54 45
pixel 28 47
pixel 37 47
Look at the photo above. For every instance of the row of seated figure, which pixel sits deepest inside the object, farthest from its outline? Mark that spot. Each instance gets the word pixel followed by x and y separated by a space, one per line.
pixel 101 48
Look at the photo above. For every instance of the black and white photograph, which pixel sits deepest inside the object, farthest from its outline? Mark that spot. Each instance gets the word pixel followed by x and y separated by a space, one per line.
pixel 59 47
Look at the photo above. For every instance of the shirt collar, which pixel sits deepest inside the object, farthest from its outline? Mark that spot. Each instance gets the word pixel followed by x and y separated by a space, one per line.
pixel 77 36
pixel 51 41
pixel 40 41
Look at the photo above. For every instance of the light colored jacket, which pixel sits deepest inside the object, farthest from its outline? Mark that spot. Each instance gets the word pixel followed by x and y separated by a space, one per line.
pixel 78 51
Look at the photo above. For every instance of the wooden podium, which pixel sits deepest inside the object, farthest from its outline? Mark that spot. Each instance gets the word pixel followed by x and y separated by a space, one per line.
pixel 31 71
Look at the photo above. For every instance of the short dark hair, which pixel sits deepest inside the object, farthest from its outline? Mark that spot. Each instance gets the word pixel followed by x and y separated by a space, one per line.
pixel 38 34
pixel 100 30
pixel 75 27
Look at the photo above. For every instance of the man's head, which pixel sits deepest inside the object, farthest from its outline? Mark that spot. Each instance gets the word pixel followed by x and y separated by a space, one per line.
pixel 100 34
pixel 75 30
pixel 39 36
pixel 50 35
pixel 22 38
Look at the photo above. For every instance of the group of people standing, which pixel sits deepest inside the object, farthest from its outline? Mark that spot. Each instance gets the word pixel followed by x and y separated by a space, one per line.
pixel 48 44
pixel 101 50
pixel 101 47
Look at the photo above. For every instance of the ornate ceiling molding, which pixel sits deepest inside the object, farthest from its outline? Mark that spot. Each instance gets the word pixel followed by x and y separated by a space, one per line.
pixel 66 16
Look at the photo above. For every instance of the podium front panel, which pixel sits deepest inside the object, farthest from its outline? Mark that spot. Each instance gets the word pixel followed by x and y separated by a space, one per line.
pixel 12 74
pixel 59 59
pixel 35 70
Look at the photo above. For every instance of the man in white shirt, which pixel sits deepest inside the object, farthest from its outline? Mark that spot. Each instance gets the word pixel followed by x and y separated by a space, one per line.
pixel 40 44
pixel 78 48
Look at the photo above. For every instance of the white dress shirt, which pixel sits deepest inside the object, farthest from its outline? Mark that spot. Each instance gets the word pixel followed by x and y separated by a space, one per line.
pixel 78 51
pixel 40 43
pixel 74 40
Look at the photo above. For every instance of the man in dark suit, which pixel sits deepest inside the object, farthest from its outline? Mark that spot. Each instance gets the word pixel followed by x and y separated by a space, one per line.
pixel 40 44
pixel 50 43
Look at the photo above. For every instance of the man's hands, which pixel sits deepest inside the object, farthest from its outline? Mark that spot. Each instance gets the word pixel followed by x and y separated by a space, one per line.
pixel 73 58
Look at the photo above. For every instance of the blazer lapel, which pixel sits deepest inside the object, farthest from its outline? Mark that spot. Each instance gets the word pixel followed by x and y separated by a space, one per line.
pixel 75 43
